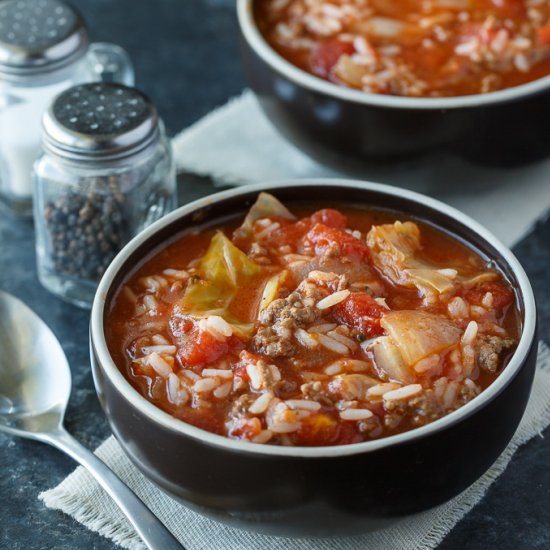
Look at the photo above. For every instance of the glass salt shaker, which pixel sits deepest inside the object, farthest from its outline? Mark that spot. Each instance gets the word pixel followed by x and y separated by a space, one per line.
pixel 106 173
pixel 44 49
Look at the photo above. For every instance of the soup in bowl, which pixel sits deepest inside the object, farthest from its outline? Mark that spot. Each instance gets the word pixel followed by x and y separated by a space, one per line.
pixel 414 48
pixel 256 364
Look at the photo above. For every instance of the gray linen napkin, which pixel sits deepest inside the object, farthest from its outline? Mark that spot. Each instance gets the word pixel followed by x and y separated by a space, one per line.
pixel 237 145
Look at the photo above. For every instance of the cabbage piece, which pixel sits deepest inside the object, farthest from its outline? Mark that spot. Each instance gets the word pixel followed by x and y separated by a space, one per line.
pixel 272 287
pixel 388 359
pixel 478 279
pixel 394 247
pixel 226 265
pixel 418 334
pixel 266 206
pixel 223 269
pixel 429 280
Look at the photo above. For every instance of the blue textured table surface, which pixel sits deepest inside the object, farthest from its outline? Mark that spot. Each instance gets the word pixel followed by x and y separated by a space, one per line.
pixel 187 59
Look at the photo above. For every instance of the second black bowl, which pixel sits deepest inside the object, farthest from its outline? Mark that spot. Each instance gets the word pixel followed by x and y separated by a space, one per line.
pixel 344 127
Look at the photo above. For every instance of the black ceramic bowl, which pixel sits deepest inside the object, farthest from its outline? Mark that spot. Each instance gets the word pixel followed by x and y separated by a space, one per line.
pixel 335 124
pixel 324 490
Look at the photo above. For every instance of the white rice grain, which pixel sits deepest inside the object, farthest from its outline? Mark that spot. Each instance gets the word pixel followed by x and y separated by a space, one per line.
pixel 303 404
pixel 348 342
pixel 221 373
pixel 261 404
pixel 223 390
pixel 153 283
pixel 380 389
pixel 470 333
pixel 170 350
pixel 285 427
pixel 263 437
pixel 322 276
pixel 155 361
pixel 403 393
pixel 150 302
pixel 450 394
pixel 305 339
pixel 332 344
pixel 478 311
pixel 217 326
pixel 521 63
pixel 458 308
pixel 487 300
pixel 269 229
pixel 254 375
pixel 356 414
pixel 193 376
pixel 292 258
pixel 356 365
pixel 179 274
pixel 205 385
pixel 333 299
pixel 322 328
pixel 334 368
pixel 176 392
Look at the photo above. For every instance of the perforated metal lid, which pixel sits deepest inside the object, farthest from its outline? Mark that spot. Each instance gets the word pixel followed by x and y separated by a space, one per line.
pixel 100 122
pixel 38 36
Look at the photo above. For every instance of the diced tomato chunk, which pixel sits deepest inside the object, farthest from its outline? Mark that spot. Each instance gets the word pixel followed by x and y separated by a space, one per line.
pixel 502 295
pixel 544 35
pixel 317 430
pixel 325 238
pixel 200 347
pixel 330 217
pixel 291 233
pixel 512 9
pixel 326 54
pixel 360 311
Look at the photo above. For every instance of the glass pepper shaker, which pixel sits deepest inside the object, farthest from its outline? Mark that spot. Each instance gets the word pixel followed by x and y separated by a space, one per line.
pixel 106 173
pixel 44 49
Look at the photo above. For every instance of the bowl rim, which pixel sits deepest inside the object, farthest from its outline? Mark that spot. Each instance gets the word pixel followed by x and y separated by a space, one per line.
pixel 312 83
pixel 99 346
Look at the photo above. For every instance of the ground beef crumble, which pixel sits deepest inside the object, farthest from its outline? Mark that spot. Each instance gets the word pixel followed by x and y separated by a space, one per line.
pixel 277 323
pixel 489 350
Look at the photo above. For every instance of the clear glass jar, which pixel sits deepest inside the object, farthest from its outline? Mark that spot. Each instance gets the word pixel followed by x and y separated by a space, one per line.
pixel 100 181
pixel 44 49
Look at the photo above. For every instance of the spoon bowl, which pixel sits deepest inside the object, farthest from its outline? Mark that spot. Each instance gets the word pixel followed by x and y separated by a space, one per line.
pixel 35 390
pixel 35 374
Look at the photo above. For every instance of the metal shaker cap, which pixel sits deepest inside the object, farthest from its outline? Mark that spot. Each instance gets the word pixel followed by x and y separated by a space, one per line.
pixel 100 122
pixel 38 36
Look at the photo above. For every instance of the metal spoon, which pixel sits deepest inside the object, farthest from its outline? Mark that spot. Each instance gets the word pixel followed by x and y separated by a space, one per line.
pixel 34 391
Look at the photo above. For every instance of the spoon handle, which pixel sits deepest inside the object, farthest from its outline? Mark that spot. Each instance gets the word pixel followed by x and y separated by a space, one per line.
pixel 154 534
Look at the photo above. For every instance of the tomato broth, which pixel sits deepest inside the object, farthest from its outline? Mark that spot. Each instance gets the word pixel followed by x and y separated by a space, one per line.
pixel 418 48
pixel 313 326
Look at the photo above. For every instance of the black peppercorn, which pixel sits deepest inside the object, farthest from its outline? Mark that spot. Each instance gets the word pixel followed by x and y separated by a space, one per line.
pixel 89 226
